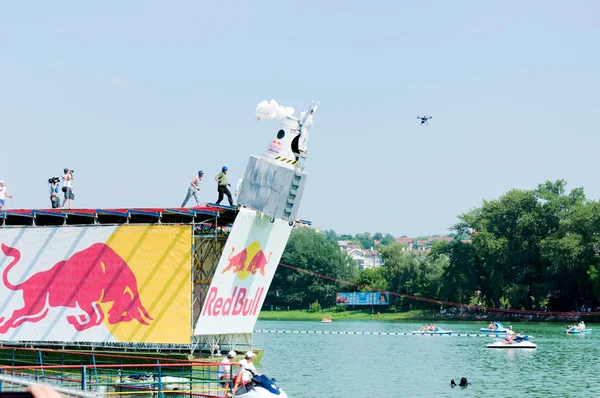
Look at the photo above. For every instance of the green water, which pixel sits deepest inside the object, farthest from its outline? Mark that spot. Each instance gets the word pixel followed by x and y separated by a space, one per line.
pixel 359 366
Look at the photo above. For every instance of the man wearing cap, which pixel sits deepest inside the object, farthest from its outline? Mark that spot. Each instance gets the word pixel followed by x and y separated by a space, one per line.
pixel 243 376
pixel 225 368
pixel 3 194
pixel 223 183
pixel 194 189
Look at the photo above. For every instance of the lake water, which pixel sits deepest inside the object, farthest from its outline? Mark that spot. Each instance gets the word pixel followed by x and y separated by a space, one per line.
pixel 341 366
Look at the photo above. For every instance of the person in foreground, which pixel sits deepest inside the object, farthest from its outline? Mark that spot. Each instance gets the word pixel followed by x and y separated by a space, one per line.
pixel 43 391
pixel 242 376
pixel 224 368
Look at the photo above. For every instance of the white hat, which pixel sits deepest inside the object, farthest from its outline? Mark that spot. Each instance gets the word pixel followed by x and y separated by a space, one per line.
pixel 250 354
pixel 231 354
pixel 1 181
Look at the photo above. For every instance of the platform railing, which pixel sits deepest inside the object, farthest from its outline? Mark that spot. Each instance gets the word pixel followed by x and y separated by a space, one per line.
pixel 199 379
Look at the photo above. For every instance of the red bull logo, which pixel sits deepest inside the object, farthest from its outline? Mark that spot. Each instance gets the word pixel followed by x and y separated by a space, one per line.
pixel 90 277
pixel 249 261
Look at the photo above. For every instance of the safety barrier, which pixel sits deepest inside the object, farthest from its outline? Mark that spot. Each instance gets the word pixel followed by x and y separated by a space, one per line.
pixel 85 374
pixel 380 333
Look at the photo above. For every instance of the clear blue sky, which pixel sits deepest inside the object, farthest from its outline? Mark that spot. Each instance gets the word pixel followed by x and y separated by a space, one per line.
pixel 137 96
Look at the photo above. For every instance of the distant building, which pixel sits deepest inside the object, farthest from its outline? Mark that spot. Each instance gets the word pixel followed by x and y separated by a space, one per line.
pixel 408 242
pixel 364 258
pixel 303 223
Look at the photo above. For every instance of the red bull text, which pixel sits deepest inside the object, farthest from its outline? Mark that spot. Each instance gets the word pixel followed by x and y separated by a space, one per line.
pixel 89 277
pixel 237 304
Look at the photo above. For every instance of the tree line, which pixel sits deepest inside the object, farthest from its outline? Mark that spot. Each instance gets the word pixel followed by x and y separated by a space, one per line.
pixel 528 249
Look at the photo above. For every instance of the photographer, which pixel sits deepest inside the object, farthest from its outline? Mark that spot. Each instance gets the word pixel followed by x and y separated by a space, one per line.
pixel 68 187
pixel 54 198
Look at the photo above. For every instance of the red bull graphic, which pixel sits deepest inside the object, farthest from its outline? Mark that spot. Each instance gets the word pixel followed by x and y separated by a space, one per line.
pixel 244 274
pixel 88 278
pixel 239 263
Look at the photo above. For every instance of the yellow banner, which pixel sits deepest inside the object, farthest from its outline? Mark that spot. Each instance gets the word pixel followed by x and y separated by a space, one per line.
pixel 159 261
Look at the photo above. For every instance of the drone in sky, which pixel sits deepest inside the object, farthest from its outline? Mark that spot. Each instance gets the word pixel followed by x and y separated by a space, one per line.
pixel 424 119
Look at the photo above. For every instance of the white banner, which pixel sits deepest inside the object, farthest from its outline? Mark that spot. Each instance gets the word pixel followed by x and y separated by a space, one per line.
pixel 244 274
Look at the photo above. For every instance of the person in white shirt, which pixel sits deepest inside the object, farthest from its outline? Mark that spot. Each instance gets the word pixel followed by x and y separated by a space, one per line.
pixel 3 194
pixel 225 368
pixel 68 187
pixel 509 335
pixel 243 376
pixel 194 189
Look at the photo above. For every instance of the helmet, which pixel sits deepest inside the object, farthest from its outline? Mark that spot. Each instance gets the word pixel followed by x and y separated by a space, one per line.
pixel 200 172
pixel 224 168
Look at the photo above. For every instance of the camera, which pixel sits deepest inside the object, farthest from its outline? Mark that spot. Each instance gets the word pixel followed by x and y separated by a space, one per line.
pixel 53 180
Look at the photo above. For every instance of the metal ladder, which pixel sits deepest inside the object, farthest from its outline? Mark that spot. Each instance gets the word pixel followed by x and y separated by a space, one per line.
pixel 291 199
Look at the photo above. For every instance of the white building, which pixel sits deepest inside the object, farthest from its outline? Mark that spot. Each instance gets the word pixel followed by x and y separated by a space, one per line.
pixel 366 258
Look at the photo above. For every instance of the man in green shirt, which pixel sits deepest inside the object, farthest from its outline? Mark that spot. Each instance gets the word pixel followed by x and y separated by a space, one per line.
pixel 223 183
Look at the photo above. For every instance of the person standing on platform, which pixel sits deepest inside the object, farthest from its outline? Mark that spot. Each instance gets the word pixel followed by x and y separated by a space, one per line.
pixel 194 189
pixel 54 196
pixel 223 183
pixel 68 187
pixel 3 194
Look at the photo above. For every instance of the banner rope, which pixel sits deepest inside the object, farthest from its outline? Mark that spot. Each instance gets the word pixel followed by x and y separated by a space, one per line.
pixel 448 303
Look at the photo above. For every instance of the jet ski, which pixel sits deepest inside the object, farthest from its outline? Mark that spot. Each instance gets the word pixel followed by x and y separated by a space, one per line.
pixel 260 386
pixel 499 329
pixel 435 331
pixel 517 342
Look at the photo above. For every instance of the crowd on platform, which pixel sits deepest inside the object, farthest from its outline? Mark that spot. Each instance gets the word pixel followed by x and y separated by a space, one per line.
pixel 67 178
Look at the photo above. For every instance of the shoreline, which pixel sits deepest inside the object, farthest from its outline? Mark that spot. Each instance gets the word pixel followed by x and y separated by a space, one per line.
pixel 417 316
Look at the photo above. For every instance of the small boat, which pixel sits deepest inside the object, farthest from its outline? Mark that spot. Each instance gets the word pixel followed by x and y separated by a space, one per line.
pixel 518 342
pixel 577 331
pixel 499 328
pixel 326 320
pixel 436 331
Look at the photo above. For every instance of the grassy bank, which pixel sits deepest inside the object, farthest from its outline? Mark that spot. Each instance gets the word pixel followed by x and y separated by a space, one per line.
pixel 304 315
pixel 417 316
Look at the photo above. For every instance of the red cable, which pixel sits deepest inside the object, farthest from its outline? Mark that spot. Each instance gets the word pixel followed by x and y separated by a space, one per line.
pixel 449 303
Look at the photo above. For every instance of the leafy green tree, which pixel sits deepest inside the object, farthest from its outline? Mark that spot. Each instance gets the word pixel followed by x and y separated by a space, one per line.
pixel 387 240
pixel 365 239
pixel 534 247
pixel 310 250
pixel 331 236
pixel 372 280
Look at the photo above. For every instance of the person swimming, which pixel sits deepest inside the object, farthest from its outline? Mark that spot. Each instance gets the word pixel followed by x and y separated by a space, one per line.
pixel 463 382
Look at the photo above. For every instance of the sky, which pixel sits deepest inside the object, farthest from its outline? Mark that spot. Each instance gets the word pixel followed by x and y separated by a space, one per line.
pixel 137 96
